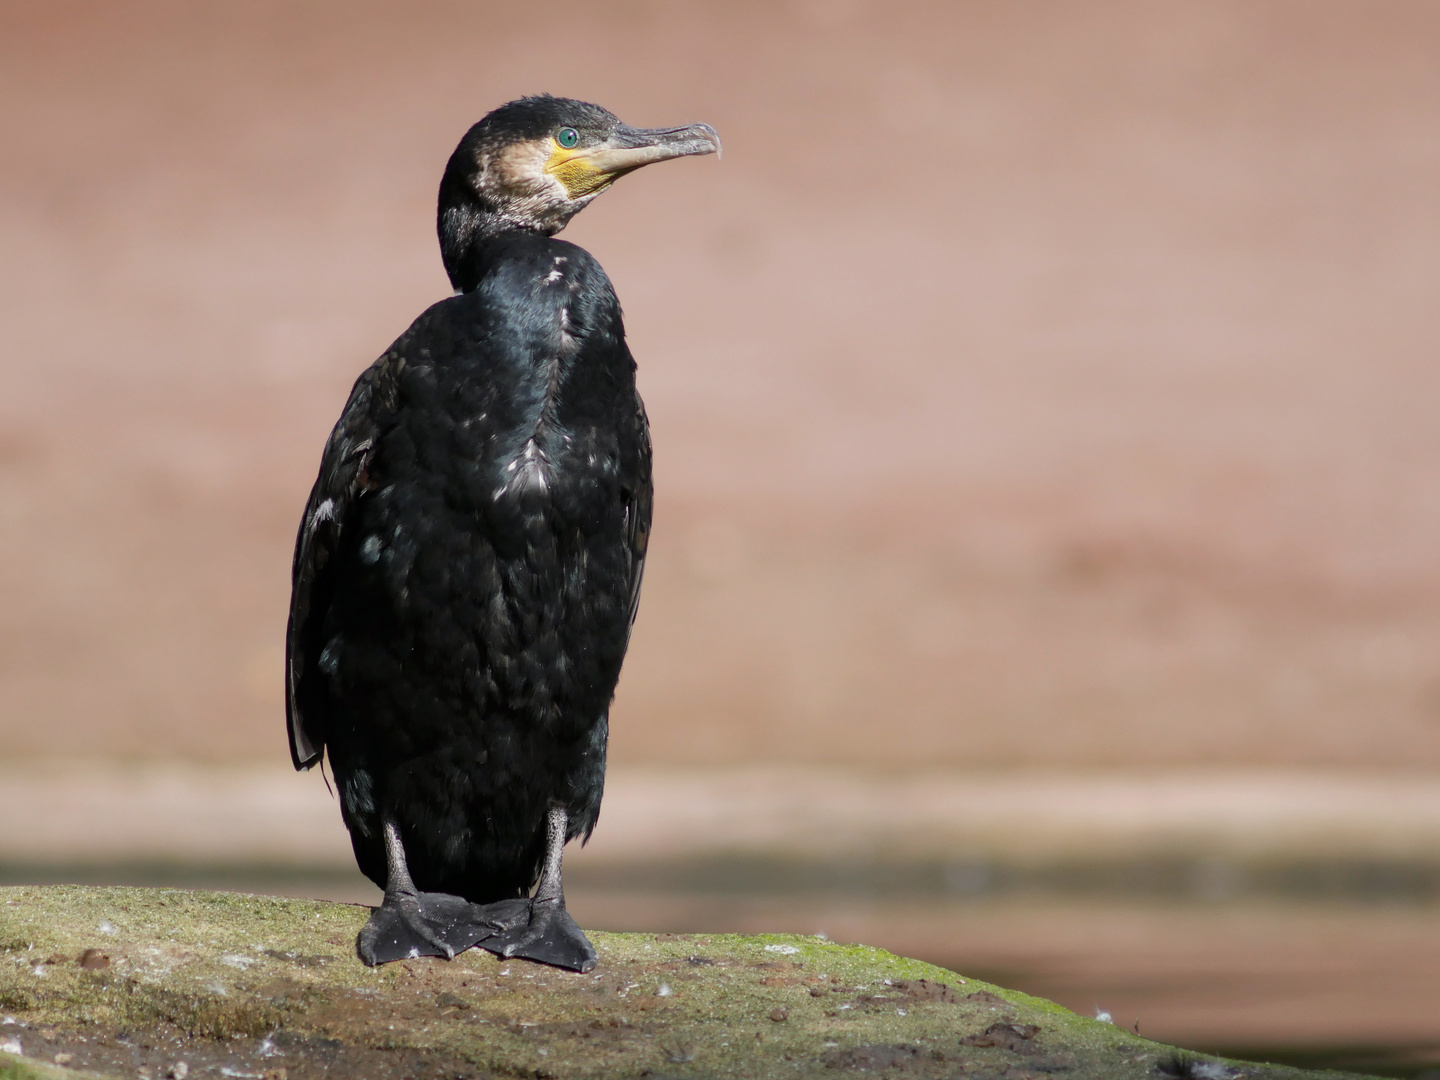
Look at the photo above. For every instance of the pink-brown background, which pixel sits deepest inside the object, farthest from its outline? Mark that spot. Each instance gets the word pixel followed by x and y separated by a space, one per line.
pixel 1032 382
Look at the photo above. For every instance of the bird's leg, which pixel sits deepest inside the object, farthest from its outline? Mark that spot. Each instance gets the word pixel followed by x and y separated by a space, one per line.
pixel 409 923
pixel 550 890
pixel 550 936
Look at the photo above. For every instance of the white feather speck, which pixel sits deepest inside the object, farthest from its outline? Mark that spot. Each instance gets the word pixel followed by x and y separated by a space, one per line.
pixel 1212 1070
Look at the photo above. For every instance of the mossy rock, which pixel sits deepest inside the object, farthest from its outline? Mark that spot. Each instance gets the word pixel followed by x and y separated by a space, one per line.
pixel 157 982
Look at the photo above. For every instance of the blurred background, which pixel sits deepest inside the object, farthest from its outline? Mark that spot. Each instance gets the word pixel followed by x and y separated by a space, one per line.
pixel 1045 577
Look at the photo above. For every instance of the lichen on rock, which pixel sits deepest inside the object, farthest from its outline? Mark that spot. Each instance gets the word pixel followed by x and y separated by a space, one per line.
pixel 166 983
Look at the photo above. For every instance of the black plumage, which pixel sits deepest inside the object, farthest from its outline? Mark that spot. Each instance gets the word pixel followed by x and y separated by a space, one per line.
pixel 468 566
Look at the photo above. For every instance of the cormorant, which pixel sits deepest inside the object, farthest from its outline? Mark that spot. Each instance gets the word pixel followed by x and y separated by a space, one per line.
pixel 468 566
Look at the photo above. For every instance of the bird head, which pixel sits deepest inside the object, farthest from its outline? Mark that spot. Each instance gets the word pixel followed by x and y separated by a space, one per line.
pixel 535 163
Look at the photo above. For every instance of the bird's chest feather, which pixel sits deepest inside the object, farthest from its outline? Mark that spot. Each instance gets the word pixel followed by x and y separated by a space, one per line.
pixel 548 461
pixel 519 430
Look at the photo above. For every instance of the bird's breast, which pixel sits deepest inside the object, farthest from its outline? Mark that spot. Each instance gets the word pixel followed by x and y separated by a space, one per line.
pixel 529 471
pixel 569 475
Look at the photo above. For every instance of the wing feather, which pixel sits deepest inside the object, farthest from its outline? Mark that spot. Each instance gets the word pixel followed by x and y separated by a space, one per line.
pixel 638 513
pixel 344 477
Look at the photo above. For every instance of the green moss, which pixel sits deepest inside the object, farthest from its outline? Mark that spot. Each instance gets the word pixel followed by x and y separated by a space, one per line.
pixel 12 1068
pixel 217 977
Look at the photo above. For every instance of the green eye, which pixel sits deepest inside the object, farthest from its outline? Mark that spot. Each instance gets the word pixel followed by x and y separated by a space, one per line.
pixel 567 137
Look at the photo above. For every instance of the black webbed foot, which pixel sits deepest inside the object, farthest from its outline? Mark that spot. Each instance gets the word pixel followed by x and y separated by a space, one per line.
pixel 415 924
pixel 506 915
pixel 548 935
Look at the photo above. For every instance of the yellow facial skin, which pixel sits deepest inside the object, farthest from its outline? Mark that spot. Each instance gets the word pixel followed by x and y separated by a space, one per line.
pixel 576 170
pixel 586 171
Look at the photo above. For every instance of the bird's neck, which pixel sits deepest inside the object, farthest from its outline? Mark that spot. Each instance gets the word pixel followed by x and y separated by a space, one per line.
pixel 473 244
pixel 473 228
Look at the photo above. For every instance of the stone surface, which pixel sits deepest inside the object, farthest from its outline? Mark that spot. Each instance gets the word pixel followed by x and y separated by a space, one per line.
pixel 166 983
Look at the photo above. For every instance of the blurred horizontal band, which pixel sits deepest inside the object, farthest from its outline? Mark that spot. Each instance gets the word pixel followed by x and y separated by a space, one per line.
pixel 75 813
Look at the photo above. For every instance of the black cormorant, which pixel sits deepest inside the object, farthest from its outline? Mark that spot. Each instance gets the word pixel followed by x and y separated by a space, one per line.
pixel 469 562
